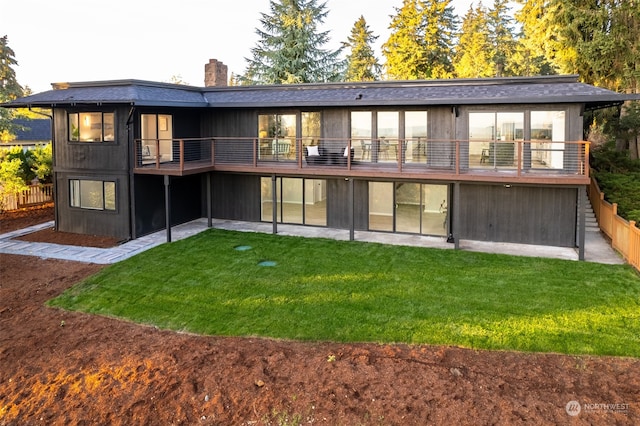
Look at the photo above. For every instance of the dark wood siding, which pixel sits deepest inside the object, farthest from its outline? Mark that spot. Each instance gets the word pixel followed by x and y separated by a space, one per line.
pixel 149 200
pixel 95 222
pixel 236 197
pixel 335 124
pixel 518 214
pixel 338 204
pixel 231 123
pixel 96 157
pixel 361 204
pixel 186 201
pixel 100 161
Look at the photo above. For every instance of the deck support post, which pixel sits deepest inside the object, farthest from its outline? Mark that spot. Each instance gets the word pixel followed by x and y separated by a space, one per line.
pixel 351 210
pixel 167 205
pixel 582 204
pixel 274 202
pixel 455 216
pixel 209 215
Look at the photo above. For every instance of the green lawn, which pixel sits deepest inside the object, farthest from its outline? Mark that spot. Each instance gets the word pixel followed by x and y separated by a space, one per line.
pixel 323 289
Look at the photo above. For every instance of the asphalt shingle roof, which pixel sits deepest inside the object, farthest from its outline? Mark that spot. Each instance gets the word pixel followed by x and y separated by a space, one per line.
pixel 132 92
pixel 547 89
pixel 33 130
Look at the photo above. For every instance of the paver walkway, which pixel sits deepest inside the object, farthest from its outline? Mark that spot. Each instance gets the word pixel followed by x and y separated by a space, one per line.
pixel 596 248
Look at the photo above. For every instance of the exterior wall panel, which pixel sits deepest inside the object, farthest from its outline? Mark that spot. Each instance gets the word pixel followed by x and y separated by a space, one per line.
pixel 97 157
pixel 94 222
pixel 236 197
pixel 518 214
pixel 186 203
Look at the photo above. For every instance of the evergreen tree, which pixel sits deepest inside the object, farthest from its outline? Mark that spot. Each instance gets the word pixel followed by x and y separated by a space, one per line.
pixel 420 44
pixel 362 65
pixel 474 50
pixel 9 87
pixel 596 39
pixel 532 55
pixel 290 46
pixel 503 40
pixel 603 38
pixel 625 33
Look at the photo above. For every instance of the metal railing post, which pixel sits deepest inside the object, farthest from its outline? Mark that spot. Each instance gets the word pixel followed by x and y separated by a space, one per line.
pixel 519 170
pixel 181 145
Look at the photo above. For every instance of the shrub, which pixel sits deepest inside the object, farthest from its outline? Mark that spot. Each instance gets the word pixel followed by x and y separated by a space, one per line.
pixel 623 189
pixel 43 163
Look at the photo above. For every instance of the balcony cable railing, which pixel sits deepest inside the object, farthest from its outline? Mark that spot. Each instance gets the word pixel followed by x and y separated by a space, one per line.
pixel 413 155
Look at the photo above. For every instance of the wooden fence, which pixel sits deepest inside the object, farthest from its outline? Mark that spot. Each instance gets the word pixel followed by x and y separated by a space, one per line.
pixel 624 235
pixel 35 195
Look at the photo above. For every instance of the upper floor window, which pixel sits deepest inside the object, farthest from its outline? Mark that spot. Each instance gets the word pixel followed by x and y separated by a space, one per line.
pixel 156 131
pixel 493 137
pixel 382 136
pixel 277 134
pixel 91 127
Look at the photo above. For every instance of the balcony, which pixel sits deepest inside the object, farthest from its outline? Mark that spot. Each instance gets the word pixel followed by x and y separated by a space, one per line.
pixel 532 161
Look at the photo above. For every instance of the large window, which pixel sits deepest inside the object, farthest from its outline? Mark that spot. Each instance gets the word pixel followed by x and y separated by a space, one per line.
pixel 311 128
pixel 408 207
pixel 361 134
pixel 156 131
pixel 547 139
pixel 492 137
pixel 302 201
pixel 380 136
pixel 277 135
pixel 415 134
pixel 92 194
pixel 91 127
pixel 388 134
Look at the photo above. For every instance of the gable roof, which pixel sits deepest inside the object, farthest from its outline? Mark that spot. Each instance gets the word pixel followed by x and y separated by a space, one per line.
pixel 511 90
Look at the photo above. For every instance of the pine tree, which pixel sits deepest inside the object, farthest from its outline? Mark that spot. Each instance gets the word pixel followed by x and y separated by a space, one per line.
pixel 503 40
pixel 362 65
pixel 532 55
pixel 420 44
pixel 602 39
pixel 9 87
pixel 597 39
pixel 474 57
pixel 290 46
pixel 625 31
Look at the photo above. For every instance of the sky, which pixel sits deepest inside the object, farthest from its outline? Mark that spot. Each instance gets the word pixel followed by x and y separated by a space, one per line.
pixel 89 40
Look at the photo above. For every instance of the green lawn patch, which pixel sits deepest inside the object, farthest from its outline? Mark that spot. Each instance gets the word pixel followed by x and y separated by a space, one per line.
pixel 320 289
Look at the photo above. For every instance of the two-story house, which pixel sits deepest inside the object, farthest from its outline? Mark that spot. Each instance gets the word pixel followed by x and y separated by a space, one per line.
pixel 499 159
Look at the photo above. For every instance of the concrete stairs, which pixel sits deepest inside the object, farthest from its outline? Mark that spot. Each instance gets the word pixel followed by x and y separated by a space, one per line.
pixel 597 247
pixel 591 224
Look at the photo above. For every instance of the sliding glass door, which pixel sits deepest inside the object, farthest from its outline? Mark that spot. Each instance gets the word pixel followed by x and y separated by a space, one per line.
pixel 408 207
pixel 298 201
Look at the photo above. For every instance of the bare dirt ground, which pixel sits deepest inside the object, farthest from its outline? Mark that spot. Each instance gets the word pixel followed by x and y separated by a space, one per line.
pixel 61 368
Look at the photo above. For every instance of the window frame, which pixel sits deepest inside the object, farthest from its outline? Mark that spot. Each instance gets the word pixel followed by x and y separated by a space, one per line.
pixel 106 128
pixel 76 195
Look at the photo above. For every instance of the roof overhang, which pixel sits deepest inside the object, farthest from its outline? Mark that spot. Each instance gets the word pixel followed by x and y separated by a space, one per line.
pixel 497 91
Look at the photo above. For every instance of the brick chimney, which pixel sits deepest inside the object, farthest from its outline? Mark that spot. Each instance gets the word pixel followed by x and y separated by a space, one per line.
pixel 215 73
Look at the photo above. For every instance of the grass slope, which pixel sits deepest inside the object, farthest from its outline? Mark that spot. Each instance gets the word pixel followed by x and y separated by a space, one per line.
pixel 352 291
